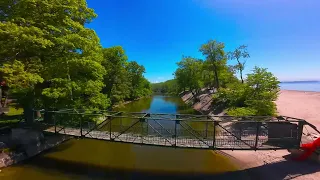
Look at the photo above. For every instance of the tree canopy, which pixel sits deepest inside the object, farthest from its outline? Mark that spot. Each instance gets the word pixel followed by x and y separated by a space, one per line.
pixel 251 96
pixel 50 59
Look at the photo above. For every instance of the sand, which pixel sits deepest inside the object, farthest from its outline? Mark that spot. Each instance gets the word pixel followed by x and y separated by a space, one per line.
pixel 278 164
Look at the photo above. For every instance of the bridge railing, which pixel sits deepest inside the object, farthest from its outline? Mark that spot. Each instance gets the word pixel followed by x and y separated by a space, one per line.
pixel 179 130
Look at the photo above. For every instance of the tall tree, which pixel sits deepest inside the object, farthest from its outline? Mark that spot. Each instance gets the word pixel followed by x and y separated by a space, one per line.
pixel 189 73
pixel 45 46
pixel 215 55
pixel 237 54
pixel 139 86
pixel 116 81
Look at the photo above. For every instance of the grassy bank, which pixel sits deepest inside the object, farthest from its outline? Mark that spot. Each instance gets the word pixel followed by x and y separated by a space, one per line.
pixel 12 117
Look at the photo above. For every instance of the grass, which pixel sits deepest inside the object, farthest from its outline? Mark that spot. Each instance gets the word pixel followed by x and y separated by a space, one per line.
pixel 12 117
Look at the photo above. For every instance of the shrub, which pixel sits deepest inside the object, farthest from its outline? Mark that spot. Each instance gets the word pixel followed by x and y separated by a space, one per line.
pixel 242 111
pixel 232 96
pixel 254 97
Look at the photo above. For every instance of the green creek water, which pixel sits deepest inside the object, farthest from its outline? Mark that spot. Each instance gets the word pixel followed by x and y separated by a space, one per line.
pixel 96 159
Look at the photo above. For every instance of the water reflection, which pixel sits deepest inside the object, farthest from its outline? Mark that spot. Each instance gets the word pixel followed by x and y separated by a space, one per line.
pixel 92 159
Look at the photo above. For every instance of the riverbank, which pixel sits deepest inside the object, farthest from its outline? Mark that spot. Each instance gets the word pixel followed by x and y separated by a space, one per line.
pixel 29 143
pixel 276 164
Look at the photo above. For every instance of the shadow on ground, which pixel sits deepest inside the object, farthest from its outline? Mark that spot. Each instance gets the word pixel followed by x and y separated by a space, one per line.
pixel 275 171
pixel 287 169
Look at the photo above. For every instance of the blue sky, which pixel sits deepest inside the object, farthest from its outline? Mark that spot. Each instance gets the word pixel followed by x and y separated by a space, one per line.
pixel 282 35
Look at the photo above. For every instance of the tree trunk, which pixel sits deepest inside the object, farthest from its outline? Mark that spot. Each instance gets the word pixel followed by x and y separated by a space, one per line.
pixel 5 101
pixel 216 76
pixel 28 115
pixel 241 76
pixel 241 67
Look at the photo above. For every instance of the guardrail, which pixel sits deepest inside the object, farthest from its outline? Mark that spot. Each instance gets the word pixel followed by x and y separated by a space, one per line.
pixel 177 130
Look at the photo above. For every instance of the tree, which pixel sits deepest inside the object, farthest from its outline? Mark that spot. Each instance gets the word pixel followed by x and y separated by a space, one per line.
pixel 167 87
pixel 254 97
pixel 139 86
pixel 44 45
pixel 215 55
pixel 189 74
pixel 116 81
pixel 237 54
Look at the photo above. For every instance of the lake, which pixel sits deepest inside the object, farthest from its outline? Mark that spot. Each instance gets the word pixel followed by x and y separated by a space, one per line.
pixel 94 159
pixel 301 86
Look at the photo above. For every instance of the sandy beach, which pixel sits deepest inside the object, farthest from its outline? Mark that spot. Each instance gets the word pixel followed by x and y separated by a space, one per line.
pixel 278 164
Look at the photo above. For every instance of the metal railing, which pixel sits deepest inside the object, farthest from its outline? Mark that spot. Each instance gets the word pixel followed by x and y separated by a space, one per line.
pixel 177 130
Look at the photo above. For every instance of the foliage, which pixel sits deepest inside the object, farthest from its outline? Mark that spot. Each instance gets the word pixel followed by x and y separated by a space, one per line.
pixel 139 85
pixel 242 111
pixel 215 57
pixel 189 74
pixel 167 87
pixel 50 59
pixel 255 97
pixel 115 62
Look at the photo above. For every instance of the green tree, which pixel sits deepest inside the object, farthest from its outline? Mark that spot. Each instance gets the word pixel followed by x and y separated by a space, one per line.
pixel 139 86
pixel 167 87
pixel 237 54
pixel 189 73
pixel 215 56
pixel 254 97
pixel 116 81
pixel 46 40
pixel 263 91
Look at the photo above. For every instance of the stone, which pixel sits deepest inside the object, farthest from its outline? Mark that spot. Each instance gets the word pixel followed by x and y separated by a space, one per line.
pixel 26 137
pixel 3 146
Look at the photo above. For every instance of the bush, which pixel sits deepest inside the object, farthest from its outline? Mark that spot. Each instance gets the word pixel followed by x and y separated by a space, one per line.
pixel 254 97
pixel 232 96
pixel 242 111
pixel 262 107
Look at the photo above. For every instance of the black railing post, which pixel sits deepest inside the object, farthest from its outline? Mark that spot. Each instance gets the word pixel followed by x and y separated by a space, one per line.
pixel 110 119
pixel 81 127
pixel 175 132
pixel 207 128
pixel 257 136
pixel 55 124
pixel 214 135
pixel 300 131
pixel 147 121
pixel 142 120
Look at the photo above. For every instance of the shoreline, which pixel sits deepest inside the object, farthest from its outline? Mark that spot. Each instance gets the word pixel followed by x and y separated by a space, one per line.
pixel 299 91
pixel 32 147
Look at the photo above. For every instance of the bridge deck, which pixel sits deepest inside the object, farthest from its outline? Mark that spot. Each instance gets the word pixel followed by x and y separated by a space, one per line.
pixel 222 142
pixel 179 130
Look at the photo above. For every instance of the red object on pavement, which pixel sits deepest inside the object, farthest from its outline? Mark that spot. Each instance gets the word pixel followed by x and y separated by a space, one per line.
pixel 308 148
